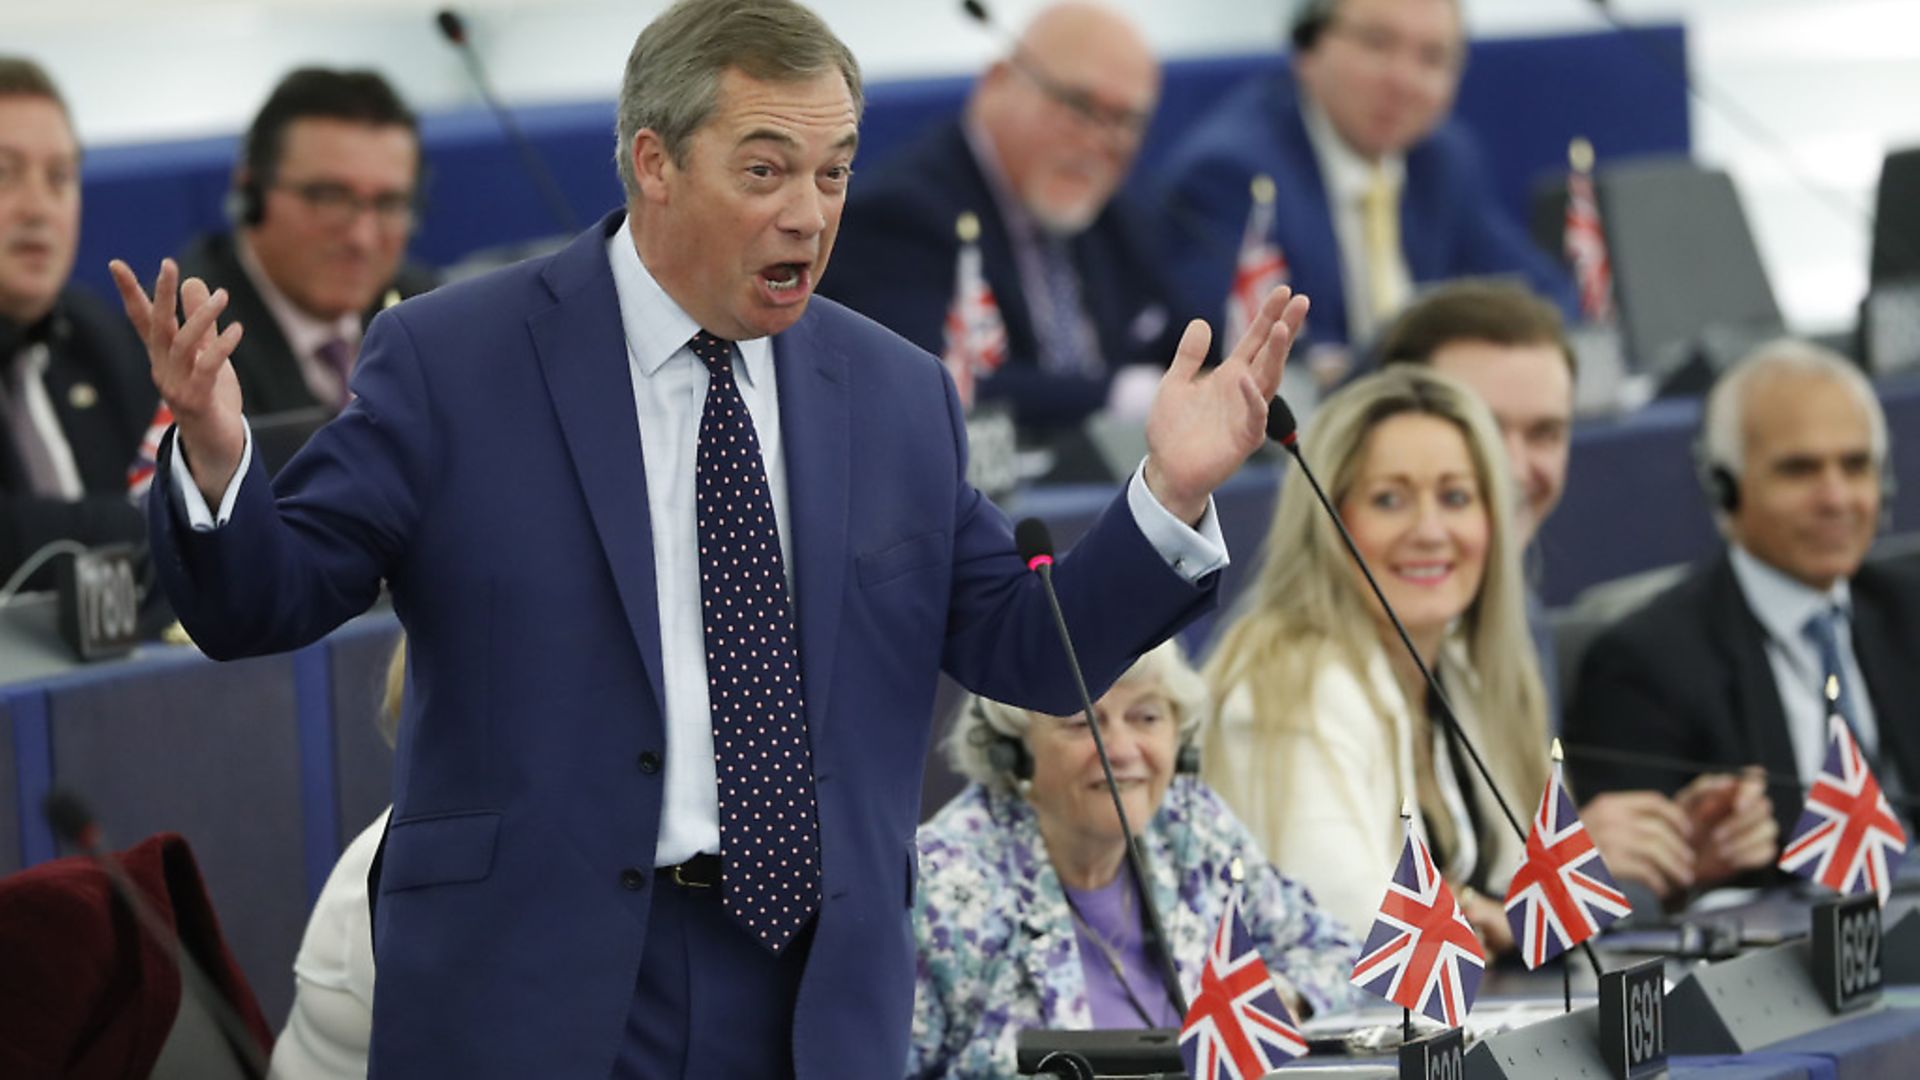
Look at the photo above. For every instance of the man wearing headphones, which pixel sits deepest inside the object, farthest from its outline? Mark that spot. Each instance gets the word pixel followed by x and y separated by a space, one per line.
pixel 1375 191
pixel 1742 663
pixel 323 202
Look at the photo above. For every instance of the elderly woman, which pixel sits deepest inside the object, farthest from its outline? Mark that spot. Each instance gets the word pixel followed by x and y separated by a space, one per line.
pixel 1325 724
pixel 1027 916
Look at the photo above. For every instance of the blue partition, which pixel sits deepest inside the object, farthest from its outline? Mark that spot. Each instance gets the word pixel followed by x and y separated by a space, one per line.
pixel 1525 97
pixel 209 752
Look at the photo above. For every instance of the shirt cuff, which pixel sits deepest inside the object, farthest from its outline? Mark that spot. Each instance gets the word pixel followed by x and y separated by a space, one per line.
pixel 1193 551
pixel 195 504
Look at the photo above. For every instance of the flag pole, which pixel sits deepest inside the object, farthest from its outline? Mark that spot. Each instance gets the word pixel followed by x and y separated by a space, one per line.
pixel 1559 757
pixel 1406 1014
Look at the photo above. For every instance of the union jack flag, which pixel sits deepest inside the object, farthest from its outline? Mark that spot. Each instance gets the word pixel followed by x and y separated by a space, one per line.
pixel 1586 248
pixel 1562 894
pixel 976 341
pixel 1847 834
pixel 1237 1026
pixel 1421 953
pixel 140 473
pixel 1260 268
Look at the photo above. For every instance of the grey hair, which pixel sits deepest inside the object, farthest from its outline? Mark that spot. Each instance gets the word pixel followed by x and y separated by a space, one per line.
pixel 982 720
pixel 1723 423
pixel 673 73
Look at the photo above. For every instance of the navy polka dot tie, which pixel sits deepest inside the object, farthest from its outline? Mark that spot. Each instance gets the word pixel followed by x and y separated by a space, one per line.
pixel 769 849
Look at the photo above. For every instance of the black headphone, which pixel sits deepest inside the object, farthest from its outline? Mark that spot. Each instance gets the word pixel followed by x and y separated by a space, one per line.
pixel 247 202
pixel 1722 487
pixel 1310 20
pixel 1009 756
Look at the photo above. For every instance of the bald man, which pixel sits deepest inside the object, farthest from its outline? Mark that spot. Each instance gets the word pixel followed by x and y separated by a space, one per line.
pixel 1048 135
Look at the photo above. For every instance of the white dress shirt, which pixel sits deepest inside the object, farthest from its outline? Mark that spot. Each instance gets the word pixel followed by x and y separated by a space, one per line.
pixel 1348 178
pixel 305 334
pixel 1783 605
pixel 669 391
pixel 33 362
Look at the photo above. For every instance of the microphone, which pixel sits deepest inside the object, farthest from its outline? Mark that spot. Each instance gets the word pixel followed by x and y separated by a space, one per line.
pixel 1686 767
pixel 454 29
pixel 1282 429
pixel 74 824
pixel 1035 544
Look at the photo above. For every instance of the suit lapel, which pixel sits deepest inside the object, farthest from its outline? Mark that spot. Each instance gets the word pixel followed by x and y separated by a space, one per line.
pixel 582 350
pixel 815 426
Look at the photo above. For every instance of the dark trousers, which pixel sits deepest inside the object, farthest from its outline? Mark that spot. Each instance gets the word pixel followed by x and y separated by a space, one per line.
pixel 710 1003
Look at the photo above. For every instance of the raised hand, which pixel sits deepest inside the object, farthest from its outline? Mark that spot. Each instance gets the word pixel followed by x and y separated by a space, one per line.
pixel 189 364
pixel 1204 424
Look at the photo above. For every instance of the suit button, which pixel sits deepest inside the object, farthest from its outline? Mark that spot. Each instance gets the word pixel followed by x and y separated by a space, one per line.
pixel 649 762
pixel 632 879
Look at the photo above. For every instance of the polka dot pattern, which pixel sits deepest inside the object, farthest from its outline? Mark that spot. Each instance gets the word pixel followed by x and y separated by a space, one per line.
pixel 769 846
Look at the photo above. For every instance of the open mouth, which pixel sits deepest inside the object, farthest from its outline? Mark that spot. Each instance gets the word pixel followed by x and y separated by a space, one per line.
pixel 786 281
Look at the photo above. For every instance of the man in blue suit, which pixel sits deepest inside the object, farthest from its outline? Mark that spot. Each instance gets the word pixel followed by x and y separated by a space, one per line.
pixel 680 555
pixel 1377 192
pixel 1048 135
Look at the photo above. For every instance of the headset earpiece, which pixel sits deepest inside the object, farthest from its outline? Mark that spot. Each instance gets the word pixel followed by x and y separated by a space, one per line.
pixel 246 204
pixel 1723 488
pixel 1187 763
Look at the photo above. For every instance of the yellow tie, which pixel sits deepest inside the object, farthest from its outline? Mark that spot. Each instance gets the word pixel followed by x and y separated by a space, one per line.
pixel 1380 212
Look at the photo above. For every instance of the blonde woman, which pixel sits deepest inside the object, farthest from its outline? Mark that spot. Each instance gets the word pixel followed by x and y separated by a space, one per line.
pixel 1325 725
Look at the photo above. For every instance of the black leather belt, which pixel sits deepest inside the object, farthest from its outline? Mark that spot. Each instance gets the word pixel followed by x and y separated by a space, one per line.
pixel 700 872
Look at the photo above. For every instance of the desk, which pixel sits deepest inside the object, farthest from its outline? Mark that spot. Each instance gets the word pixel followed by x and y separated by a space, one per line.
pixel 267 766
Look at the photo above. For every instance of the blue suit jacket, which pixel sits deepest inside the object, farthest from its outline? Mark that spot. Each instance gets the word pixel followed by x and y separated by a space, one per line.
pixel 490 472
pixel 1450 224
pixel 894 262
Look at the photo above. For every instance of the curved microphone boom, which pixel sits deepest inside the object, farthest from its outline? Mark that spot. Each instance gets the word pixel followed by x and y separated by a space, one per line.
pixel 1035 544
pixel 454 29
pixel 1282 429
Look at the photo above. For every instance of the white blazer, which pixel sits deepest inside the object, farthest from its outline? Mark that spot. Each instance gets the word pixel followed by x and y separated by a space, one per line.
pixel 1326 803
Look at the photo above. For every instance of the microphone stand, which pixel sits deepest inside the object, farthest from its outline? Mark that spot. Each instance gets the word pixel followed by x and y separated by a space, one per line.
pixel 1036 547
pixel 1280 428
pixel 454 29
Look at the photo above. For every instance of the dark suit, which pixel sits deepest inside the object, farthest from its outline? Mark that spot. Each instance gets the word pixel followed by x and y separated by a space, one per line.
pixel 894 262
pixel 1450 225
pixel 270 378
pixel 98 382
pixel 490 472
pixel 1688 677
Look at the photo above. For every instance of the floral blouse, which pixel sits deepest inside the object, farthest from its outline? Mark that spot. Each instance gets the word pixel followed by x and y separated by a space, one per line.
pixel 996 942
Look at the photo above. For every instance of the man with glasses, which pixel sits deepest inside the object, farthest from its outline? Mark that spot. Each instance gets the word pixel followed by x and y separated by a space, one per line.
pixel 1376 192
pixel 1048 136
pixel 323 203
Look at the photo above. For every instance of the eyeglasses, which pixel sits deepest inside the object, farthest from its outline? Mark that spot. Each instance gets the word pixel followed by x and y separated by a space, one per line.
pixel 337 206
pixel 1127 123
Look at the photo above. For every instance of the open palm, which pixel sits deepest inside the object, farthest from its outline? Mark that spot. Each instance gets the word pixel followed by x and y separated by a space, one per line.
pixel 1205 423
